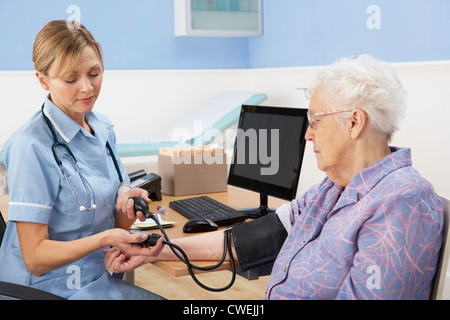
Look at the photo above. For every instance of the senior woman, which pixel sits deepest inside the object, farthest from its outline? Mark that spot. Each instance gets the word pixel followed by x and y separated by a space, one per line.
pixel 370 230
pixel 62 211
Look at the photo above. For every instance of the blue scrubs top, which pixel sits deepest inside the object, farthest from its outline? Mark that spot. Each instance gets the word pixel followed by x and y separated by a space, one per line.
pixel 40 194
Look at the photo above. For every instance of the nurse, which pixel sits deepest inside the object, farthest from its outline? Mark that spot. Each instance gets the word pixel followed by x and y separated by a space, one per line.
pixel 60 219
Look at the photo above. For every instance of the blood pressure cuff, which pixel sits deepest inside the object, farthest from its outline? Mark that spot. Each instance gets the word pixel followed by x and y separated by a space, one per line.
pixel 258 242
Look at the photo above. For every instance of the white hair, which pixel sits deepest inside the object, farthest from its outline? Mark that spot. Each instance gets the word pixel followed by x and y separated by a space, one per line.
pixel 366 83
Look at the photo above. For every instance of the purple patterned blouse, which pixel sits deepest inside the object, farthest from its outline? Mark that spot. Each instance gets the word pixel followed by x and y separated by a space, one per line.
pixel 377 239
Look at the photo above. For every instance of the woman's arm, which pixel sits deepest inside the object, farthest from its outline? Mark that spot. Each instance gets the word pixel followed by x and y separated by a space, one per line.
pixel 206 246
pixel 41 255
pixel 253 243
pixel 398 250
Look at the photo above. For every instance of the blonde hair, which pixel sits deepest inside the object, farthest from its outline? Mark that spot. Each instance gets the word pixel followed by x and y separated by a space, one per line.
pixel 59 42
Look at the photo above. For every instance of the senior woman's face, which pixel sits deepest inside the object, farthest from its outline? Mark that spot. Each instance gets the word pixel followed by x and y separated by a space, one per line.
pixel 331 143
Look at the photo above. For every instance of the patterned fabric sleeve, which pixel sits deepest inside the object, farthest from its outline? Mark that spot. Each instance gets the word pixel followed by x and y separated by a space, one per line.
pixel 397 252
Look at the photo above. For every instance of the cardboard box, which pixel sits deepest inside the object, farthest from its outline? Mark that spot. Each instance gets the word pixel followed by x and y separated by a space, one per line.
pixel 192 170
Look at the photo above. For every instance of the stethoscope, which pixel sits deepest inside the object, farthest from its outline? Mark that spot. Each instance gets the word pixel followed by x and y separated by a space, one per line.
pixel 74 160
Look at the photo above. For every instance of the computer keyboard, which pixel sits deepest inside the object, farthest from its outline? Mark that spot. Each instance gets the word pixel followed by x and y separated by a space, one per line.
pixel 204 207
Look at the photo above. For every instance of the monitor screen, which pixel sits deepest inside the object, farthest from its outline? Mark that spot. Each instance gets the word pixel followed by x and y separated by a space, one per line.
pixel 268 151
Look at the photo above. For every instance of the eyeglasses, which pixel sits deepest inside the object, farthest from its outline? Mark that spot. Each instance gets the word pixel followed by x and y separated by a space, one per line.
pixel 313 123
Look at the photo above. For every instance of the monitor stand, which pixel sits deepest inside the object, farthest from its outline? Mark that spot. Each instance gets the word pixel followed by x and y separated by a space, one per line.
pixel 263 209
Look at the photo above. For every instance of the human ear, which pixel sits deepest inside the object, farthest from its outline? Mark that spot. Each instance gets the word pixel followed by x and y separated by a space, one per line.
pixel 358 123
pixel 43 80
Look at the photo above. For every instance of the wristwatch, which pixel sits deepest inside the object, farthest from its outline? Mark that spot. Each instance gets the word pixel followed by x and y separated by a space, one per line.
pixel 123 188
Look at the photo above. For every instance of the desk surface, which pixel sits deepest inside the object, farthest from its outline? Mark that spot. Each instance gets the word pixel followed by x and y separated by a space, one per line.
pixel 235 198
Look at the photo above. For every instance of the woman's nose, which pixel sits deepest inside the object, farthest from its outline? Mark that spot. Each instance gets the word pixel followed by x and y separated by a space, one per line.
pixel 309 134
pixel 86 85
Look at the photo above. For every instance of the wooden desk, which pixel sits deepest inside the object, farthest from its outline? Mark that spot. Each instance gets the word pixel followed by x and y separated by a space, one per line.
pixel 235 198
pixel 159 278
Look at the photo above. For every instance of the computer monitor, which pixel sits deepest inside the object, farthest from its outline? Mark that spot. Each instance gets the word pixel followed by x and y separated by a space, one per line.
pixel 268 153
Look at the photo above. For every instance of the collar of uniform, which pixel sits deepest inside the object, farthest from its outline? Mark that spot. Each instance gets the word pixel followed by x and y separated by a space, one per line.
pixel 67 128
pixel 63 124
pixel 100 125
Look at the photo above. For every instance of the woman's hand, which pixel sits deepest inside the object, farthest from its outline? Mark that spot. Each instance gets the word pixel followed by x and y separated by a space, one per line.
pixel 132 243
pixel 129 257
pixel 118 261
pixel 125 205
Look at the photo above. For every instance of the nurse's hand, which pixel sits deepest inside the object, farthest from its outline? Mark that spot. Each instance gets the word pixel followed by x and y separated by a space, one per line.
pixel 131 257
pixel 125 255
pixel 125 205
pixel 127 242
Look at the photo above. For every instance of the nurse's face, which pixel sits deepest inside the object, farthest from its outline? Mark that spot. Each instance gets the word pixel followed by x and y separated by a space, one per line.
pixel 77 94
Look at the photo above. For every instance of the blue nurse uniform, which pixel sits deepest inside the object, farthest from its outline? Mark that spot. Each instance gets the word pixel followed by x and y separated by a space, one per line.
pixel 40 194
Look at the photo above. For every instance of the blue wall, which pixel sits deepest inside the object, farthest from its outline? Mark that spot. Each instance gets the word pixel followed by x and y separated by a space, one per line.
pixel 316 32
pixel 134 34
pixel 139 34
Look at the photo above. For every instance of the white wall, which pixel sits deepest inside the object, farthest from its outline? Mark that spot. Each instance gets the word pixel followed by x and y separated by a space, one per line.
pixel 140 103
pixel 426 128
pixel 145 103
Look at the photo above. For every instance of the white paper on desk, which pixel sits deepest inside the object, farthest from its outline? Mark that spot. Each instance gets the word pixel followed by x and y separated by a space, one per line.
pixel 150 224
